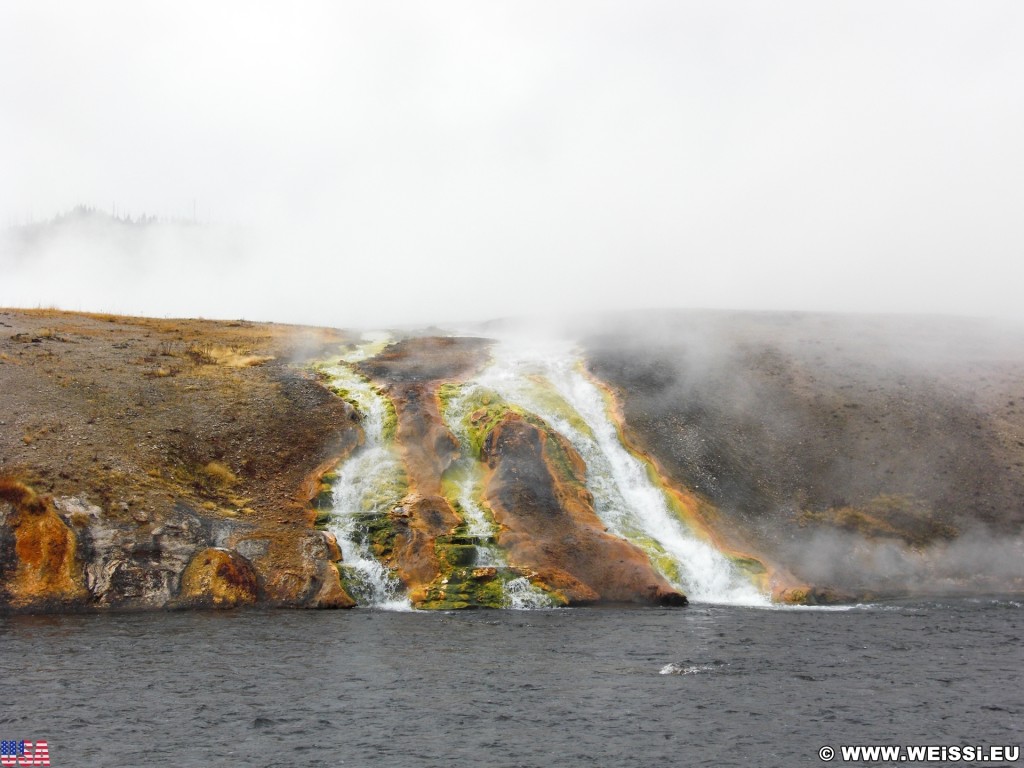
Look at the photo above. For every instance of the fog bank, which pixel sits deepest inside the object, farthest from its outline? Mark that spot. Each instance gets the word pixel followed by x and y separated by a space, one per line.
pixel 407 163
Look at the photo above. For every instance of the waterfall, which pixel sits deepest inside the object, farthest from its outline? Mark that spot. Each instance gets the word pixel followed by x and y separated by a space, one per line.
pixel 368 485
pixel 547 379
pixel 463 486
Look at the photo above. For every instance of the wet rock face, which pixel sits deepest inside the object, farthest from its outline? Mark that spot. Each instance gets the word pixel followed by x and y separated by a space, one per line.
pixel 66 553
pixel 523 478
pixel 131 565
pixel 536 490
pixel 412 371
pixel 418 523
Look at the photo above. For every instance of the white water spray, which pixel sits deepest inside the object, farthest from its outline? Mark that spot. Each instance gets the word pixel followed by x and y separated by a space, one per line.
pixel 546 379
pixel 370 483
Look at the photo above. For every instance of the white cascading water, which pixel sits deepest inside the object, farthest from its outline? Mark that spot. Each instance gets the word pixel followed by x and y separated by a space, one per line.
pixel 522 595
pixel 524 372
pixel 371 481
pixel 464 475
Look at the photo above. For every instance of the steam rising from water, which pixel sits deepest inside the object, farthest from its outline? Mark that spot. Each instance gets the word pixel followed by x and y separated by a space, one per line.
pixel 975 562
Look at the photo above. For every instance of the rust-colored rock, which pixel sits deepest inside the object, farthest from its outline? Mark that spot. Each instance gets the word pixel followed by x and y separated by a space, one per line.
pixel 418 521
pixel 411 371
pixel 564 583
pixel 218 578
pixel 301 572
pixel 331 594
pixel 333 550
pixel 537 493
pixel 42 567
pixel 427 447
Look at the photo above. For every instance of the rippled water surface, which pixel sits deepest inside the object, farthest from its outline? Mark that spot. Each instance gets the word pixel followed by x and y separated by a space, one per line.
pixel 605 687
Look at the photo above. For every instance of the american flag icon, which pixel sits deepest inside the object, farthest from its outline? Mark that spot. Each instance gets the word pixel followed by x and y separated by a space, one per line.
pixel 14 754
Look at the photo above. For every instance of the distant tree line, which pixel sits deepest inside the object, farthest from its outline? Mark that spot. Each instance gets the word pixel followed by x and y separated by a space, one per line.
pixel 81 213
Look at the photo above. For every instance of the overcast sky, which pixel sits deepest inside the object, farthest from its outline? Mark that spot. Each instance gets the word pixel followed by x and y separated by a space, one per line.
pixel 415 161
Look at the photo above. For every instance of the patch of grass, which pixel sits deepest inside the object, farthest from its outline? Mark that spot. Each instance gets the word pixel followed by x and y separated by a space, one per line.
pixel 213 478
pixel 205 353
pixel 201 353
pixel 220 474
pixel 163 372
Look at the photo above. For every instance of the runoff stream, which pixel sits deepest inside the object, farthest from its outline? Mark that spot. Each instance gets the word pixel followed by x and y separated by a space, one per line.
pixel 548 380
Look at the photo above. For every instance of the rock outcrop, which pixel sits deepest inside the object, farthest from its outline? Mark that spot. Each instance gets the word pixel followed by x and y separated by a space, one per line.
pixel 418 523
pixel 40 565
pixel 218 578
pixel 537 493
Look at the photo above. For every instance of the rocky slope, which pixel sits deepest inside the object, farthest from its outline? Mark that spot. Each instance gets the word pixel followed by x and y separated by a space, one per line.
pixel 161 463
pixel 171 464
pixel 869 454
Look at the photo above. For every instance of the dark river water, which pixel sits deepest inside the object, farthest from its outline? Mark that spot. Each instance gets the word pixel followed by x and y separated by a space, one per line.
pixel 585 687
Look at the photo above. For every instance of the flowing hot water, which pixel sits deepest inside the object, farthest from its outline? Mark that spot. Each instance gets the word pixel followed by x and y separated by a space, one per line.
pixel 368 485
pixel 465 481
pixel 546 378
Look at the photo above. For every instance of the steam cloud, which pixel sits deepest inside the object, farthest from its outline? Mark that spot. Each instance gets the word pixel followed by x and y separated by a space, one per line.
pixel 975 561
pixel 401 163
